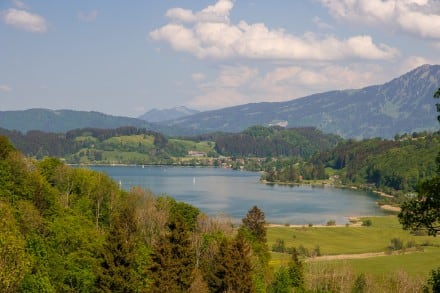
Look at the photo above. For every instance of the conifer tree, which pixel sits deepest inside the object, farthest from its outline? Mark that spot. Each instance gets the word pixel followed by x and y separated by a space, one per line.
pixel 173 260
pixel 255 223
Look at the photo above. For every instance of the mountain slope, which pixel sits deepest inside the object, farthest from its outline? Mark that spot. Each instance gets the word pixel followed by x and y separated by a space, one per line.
pixel 62 120
pixel 159 115
pixel 404 104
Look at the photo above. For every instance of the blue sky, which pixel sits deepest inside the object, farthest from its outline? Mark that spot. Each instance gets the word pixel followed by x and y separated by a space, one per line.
pixel 126 57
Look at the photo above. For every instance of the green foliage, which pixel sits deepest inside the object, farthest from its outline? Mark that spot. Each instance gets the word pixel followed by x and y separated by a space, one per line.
pixel 232 267
pixel 259 141
pixel 433 283
pixel 5 147
pixel 281 282
pixel 367 222
pixel 14 262
pixel 395 244
pixel 186 212
pixel 360 284
pixel 124 267
pixel 422 212
pixel 173 259
pixel 69 229
pixel 255 223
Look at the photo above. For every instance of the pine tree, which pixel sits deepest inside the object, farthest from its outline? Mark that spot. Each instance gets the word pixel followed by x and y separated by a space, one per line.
pixel 173 260
pixel 255 223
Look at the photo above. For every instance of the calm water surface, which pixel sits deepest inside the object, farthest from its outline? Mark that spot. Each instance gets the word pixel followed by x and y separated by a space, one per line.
pixel 215 190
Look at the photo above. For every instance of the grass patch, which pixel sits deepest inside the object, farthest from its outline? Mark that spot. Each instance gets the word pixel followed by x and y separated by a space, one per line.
pixel 348 240
pixel 361 239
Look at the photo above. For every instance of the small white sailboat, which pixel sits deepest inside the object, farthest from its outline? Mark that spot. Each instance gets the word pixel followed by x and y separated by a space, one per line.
pixel 194 180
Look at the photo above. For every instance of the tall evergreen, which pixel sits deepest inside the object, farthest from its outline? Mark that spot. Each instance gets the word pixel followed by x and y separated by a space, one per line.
pixel 173 259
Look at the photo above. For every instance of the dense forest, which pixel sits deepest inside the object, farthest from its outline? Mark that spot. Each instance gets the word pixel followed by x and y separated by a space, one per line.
pixel 130 145
pixel 387 165
pixel 67 229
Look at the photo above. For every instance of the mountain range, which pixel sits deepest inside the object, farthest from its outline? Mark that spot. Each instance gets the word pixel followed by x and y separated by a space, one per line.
pixel 402 105
pixel 159 115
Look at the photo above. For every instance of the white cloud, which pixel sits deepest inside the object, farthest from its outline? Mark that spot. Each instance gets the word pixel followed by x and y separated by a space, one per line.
pixel 321 24
pixel 89 16
pixel 415 17
pixel 5 88
pixel 213 13
pixel 235 76
pixel 20 4
pixel 198 76
pixel 24 20
pixel 242 84
pixel 218 98
pixel 209 34
pixel 411 62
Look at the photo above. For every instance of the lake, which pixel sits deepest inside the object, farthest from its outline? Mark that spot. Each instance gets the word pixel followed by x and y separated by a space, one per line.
pixel 217 190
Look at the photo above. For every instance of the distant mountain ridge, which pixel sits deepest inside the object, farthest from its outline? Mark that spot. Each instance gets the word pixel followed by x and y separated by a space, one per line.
pixel 403 105
pixel 160 115
pixel 63 120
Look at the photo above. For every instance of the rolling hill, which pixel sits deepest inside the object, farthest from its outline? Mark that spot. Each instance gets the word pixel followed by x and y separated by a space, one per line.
pixel 63 120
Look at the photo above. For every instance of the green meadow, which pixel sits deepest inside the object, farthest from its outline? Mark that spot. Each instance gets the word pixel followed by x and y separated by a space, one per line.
pixel 401 250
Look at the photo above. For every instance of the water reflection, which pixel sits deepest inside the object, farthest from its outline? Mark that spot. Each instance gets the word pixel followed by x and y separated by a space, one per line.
pixel 233 193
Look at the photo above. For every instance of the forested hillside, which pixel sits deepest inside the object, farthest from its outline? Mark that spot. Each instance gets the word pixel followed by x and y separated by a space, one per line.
pixel 68 229
pixel 132 145
pixel 275 142
pixel 387 165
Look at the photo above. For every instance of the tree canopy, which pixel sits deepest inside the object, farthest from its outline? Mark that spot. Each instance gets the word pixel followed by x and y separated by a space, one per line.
pixel 423 211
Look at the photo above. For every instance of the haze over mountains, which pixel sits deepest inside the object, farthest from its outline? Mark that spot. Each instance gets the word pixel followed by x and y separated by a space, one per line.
pixel 403 105
pixel 159 115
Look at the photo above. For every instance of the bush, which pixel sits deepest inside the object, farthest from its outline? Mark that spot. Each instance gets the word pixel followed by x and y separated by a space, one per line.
pixel 279 246
pixel 433 283
pixel 395 244
pixel 360 284
pixel 367 222
pixel 331 223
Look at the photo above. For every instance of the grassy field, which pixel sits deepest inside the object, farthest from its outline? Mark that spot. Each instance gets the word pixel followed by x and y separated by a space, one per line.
pixel 420 258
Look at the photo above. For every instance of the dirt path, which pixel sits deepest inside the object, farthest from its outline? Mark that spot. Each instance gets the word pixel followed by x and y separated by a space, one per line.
pixel 347 256
pixel 354 256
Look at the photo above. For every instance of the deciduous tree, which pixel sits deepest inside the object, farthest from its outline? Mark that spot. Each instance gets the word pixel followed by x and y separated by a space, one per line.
pixel 423 211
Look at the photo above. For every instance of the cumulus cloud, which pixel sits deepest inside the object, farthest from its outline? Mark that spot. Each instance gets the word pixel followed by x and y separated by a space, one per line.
pixel 89 16
pixel 242 84
pixel 5 88
pixel 416 17
pixel 213 13
pixel 209 34
pixel 24 20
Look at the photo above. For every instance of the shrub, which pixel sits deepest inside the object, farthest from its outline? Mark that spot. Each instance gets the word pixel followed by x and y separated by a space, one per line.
pixel 367 222
pixel 395 244
pixel 360 284
pixel 279 246
pixel 433 283
pixel 331 223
